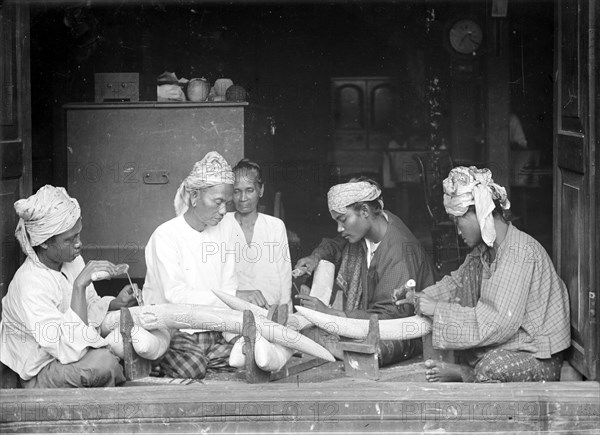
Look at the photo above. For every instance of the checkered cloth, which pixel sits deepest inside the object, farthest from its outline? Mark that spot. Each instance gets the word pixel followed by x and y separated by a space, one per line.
pixel 523 303
pixel 190 355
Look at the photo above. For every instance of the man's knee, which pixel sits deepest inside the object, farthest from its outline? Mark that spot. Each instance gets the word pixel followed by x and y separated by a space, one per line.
pixel 103 369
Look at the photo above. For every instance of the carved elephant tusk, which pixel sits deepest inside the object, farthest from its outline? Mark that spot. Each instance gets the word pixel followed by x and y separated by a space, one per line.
pixel 294 321
pixel 187 316
pixel 391 329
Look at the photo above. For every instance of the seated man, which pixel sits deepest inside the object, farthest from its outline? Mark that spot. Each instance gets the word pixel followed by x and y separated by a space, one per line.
pixel 512 320
pixel 51 312
pixel 189 256
pixel 376 253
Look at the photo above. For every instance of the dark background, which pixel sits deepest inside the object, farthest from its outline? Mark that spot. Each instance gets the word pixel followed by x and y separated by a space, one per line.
pixel 284 55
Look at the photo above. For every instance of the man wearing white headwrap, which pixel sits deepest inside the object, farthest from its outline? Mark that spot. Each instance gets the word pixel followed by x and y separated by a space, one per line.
pixel 189 256
pixel 375 253
pixel 512 309
pixel 471 186
pixel 51 312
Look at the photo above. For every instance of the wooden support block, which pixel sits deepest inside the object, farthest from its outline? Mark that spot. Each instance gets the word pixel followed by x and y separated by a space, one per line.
pixel 136 367
pixel 254 374
pixel 281 315
pixel 360 357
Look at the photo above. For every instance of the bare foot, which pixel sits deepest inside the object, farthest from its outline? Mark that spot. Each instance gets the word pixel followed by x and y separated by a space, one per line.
pixel 438 371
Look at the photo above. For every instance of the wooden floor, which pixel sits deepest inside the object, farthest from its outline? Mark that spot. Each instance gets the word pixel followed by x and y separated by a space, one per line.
pixel 321 399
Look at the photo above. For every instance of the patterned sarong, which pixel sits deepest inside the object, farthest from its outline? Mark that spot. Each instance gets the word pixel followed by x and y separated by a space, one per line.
pixel 501 365
pixel 190 355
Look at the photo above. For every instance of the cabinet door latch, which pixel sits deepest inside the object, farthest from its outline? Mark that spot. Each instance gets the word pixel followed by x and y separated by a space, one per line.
pixel 159 176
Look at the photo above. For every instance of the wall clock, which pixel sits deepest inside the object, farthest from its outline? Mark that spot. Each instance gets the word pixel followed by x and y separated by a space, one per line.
pixel 465 36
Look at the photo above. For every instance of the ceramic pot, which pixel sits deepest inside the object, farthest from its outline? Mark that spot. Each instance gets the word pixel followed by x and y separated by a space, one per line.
pixel 198 89
pixel 236 93
pixel 221 86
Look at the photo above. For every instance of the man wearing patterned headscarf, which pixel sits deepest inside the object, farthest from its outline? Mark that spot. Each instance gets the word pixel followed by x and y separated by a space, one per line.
pixel 375 253
pixel 513 309
pixel 189 256
pixel 53 291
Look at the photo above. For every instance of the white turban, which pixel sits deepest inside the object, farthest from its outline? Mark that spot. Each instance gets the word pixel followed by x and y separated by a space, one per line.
pixel 471 186
pixel 210 171
pixel 341 196
pixel 49 212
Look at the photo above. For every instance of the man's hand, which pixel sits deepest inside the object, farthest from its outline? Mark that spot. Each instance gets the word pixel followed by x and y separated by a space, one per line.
pixel 98 268
pixel 125 299
pixel 253 296
pixel 316 304
pixel 405 294
pixel 306 265
pixel 425 305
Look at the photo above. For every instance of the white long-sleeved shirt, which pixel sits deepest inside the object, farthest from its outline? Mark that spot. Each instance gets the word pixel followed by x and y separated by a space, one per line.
pixel 264 264
pixel 38 325
pixel 183 265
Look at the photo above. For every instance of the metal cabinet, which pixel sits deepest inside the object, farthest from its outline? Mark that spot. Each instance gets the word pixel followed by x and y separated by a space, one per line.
pixel 126 161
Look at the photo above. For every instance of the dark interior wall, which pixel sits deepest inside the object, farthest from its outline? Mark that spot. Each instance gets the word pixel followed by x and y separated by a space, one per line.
pixel 284 54
pixel 531 77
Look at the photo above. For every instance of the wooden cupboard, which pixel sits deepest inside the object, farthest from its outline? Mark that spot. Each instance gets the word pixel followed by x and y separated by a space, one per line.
pixel 362 112
pixel 126 161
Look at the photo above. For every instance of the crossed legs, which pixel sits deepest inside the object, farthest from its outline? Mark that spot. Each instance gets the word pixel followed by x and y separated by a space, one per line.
pixel 497 365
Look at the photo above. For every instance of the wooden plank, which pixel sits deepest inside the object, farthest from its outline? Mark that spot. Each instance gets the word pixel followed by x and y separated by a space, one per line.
pixel 355 406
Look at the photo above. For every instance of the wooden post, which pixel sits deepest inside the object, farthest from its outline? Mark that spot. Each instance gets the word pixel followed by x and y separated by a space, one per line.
pixel 254 374
pixel 136 367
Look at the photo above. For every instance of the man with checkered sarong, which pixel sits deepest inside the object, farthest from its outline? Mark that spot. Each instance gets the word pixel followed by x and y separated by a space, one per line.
pixel 511 321
pixel 188 257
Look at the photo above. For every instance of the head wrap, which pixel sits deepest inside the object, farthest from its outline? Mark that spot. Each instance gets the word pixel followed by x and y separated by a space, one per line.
pixel 471 186
pixel 49 212
pixel 341 196
pixel 212 170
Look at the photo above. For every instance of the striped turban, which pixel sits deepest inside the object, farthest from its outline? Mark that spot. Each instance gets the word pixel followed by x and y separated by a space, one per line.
pixel 341 196
pixel 471 186
pixel 49 212
pixel 212 170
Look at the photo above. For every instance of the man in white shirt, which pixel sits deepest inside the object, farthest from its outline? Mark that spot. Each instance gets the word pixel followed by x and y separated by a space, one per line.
pixel 188 257
pixel 51 312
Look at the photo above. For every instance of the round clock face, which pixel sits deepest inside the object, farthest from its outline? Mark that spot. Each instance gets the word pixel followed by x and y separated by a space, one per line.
pixel 466 36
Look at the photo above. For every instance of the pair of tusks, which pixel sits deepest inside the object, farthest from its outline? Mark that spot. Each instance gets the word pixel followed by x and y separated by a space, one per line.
pixel 391 329
pixel 322 287
pixel 272 356
pixel 187 316
pixel 148 344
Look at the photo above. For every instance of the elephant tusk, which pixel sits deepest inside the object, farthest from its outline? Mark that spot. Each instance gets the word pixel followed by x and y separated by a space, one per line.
pixel 389 329
pixel 187 316
pixel 295 321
